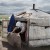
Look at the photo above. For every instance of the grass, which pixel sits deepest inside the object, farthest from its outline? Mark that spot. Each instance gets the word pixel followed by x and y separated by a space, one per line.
pixel 4 17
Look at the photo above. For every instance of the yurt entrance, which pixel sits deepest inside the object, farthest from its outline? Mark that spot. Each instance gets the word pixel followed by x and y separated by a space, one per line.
pixel 24 36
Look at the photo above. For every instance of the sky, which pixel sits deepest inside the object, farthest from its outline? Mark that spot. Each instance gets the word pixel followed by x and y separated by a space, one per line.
pixel 9 6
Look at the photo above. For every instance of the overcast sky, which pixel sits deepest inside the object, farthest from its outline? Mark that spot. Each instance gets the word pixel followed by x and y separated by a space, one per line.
pixel 13 5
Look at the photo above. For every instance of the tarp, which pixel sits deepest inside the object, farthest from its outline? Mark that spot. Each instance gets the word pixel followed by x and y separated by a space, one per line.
pixel 12 23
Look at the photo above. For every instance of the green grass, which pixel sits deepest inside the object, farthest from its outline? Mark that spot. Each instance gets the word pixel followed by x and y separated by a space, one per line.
pixel 4 17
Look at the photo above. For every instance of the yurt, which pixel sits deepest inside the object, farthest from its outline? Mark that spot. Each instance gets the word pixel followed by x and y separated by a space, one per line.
pixel 38 27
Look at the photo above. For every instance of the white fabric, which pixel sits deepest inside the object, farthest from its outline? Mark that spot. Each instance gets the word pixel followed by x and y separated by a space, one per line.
pixel 41 21
pixel 18 24
pixel 47 32
pixel 23 26
pixel 36 32
pixel 36 43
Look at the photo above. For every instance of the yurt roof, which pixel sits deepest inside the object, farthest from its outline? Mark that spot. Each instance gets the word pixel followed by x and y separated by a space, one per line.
pixel 33 14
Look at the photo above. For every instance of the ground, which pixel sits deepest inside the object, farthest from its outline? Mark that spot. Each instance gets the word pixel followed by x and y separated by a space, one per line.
pixel 6 46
